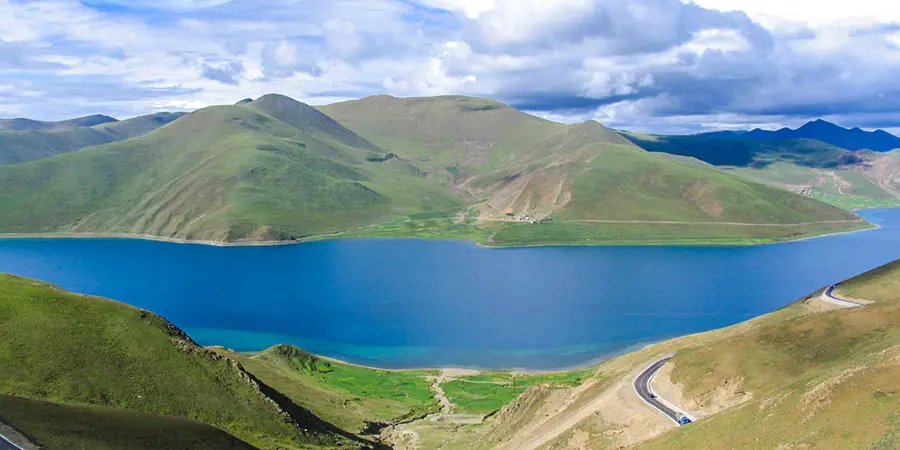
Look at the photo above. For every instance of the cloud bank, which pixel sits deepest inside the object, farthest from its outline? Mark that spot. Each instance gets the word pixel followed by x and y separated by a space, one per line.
pixel 648 65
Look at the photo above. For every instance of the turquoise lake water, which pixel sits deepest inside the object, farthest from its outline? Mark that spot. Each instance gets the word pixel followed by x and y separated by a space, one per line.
pixel 420 303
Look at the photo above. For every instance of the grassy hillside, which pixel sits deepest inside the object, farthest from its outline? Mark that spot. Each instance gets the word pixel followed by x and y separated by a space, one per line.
pixel 31 144
pixel 277 169
pixel 224 173
pixel 464 135
pixel 810 375
pixel 586 177
pixel 79 351
pixel 826 380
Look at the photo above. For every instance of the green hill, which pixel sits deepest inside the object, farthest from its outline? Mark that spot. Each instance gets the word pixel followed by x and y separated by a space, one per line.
pixel 597 186
pixel 32 144
pixel 277 169
pixel 117 361
pixel 224 173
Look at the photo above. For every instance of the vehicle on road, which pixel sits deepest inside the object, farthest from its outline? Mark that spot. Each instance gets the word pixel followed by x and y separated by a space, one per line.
pixel 683 420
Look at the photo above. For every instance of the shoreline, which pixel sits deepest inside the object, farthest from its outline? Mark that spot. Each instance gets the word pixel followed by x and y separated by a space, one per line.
pixel 588 364
pixel 145 237
pixel 336 236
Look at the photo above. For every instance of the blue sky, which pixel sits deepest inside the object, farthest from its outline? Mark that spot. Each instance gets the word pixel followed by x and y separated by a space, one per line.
pixel 649 65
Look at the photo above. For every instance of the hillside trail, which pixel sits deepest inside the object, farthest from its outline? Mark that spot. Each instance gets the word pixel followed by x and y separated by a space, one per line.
pixel 446 376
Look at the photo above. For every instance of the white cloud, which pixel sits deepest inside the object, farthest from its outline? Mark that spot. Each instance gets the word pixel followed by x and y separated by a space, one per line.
pixel 659 64
pixel 812 12
pixel 430 77
pixel 471 8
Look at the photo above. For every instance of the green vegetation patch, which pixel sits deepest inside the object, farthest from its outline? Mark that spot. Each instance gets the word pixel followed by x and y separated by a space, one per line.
pixel 489 391
pixel 348 396
pixel 479 398
pixel 562 232
pixel 854 203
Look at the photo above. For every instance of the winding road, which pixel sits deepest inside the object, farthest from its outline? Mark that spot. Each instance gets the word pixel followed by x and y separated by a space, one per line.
pixel 6 444
pixel 642 388
pixel 830 297
pixel 642 382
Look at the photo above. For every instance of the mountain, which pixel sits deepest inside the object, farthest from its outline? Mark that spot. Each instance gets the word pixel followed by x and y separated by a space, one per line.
pixel 821 130
pixel 95 364
pixel 516 165
pixel 310 120
pixel 277 169
pixel 731 149
pixel 849 179
pixel 24 146
pixel 224 173
pixel 21 124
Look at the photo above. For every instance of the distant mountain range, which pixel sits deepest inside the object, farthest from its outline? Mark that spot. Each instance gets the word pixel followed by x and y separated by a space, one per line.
pixel 23 140
pixel 820 159
pixel 824 131
pixel 20 124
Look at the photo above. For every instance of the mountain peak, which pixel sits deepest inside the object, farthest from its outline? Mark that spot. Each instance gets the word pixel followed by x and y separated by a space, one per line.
pixel 818 123
pixel 305 117
pixel 830 133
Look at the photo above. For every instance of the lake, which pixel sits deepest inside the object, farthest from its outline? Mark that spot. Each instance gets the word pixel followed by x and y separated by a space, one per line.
pixel 419 303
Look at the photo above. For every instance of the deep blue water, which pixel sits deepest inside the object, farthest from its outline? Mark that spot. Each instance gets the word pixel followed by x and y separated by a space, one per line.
pixel 419 303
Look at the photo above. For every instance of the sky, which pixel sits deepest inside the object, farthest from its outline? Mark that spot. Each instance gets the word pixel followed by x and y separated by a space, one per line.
pixel 661 66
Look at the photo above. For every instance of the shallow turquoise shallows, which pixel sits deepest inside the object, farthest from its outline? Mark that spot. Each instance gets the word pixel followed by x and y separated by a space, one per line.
pixel 419 303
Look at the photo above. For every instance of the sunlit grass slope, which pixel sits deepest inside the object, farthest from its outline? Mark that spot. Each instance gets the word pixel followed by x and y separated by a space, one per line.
pixel 223 173
pixel 824 380
pixel 75 350
pixel 514 164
